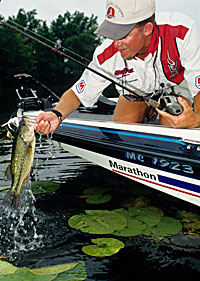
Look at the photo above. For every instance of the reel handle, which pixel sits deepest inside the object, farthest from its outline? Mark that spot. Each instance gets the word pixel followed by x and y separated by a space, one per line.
pixel 170 104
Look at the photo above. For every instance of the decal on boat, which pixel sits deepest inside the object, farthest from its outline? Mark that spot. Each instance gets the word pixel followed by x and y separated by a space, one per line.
pixel 162 163
pixel 133 171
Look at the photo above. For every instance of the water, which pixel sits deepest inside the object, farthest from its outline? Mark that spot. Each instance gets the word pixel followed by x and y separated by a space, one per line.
pixel 38 234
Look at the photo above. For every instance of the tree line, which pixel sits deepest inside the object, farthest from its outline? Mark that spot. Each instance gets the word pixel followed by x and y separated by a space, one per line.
pixel 19 54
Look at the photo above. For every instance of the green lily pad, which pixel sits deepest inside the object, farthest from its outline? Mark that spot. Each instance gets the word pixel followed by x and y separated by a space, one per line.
pixel 72 272
pixel 56 269
pixel 7 268
pixel 153 208
pixel 23 274
pixel 137 211
pixel 151 218
pixel 98 221
pixel 134 227
pixel 94 190
pixel 139 221
pixel 103 247
pixel 98 198
pixel 167 227
pixel 39 187
pixel 78 273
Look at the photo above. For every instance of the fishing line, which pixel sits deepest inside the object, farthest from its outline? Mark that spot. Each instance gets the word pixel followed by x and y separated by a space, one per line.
pixel 131 89
pixel 48 40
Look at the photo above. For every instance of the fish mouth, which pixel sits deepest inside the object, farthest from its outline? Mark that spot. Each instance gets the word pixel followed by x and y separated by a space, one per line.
pixel 30 121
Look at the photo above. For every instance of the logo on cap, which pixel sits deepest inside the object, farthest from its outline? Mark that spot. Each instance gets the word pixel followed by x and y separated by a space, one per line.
pixel 111 13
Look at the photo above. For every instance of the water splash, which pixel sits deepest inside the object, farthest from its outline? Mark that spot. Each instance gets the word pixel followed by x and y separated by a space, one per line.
pixel 19 229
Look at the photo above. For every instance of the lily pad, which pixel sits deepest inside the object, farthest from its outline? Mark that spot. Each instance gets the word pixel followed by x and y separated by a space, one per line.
pixel 7 268
pixel 151 218
pixel 39 187
pixel 94 190
pixel 56 269
pixel 23 274
pixel 139 221
pixel 168 226
pixel 98 221
pixel 98 198
pixel 134 227
pixel 72 272
pixel 137 211
pixel 103 247
pixel 78 273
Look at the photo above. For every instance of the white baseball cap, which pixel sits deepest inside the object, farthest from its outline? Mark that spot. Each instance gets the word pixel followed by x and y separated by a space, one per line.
pixel 122 16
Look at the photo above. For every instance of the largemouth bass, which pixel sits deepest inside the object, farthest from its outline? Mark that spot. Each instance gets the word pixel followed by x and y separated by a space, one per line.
pixel 21 161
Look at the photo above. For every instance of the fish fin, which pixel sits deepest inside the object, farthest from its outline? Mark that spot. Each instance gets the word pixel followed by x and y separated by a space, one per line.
pixel 11 199
pixel 8 172
pixel 15 203
pixel 8 199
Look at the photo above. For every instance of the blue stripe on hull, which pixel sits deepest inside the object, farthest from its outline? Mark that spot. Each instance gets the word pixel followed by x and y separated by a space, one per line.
pixel 125 133
pixel 178 183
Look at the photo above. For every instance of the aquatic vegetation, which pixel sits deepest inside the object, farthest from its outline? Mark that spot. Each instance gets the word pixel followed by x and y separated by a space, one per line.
pixel 190 222
pixel 7 268
pixel 98 221
pixel 103 247
pixel 39 187
pixel 122 222
pixel 167 227
pixel 71 271
pixel 98 198
pixel 139 221
pixel 94 190
pixel 96 195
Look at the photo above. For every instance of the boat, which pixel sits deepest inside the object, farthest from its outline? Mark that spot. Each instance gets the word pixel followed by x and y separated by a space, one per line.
pixel 163 158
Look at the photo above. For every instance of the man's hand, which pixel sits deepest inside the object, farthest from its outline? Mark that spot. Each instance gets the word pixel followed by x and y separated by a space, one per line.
pixel 187 119
pixel 47 122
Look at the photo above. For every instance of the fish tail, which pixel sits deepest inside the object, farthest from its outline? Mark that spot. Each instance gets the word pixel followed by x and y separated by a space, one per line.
pixel 11 199
pixel 15 203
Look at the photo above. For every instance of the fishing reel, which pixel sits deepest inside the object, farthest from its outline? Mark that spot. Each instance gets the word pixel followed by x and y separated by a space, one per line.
pixel 169 103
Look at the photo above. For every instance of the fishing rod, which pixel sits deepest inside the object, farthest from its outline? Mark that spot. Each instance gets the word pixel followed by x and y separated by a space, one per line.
pixel 59 46
pixel 168 103
pixel 59 52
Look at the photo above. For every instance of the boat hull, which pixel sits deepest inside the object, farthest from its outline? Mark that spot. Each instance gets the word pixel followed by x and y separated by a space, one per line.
pixel 164 161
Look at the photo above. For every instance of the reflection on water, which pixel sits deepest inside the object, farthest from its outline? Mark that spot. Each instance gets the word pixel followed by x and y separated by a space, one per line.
pixel 38 234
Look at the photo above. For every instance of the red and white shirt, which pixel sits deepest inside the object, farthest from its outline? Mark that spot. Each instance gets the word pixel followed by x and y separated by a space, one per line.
pixel 173 58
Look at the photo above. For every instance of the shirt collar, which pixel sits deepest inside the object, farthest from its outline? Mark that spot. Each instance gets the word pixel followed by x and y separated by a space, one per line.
pixel 154 42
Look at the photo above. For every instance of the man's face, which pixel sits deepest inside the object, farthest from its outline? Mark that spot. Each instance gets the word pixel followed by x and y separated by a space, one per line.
pixel 133 44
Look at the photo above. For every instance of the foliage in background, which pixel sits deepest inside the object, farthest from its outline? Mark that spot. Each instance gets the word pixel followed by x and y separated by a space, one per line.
pixel 19 54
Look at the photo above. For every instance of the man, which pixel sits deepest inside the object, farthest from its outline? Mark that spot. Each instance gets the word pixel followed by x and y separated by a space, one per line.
pixel 147 54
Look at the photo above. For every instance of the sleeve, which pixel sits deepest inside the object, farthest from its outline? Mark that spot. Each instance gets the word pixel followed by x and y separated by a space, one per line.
pixel 90 86
pixel 190 58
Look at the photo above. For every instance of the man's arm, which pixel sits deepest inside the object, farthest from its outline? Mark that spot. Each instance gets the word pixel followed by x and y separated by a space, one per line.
pixel 48 121
pixel 188 118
